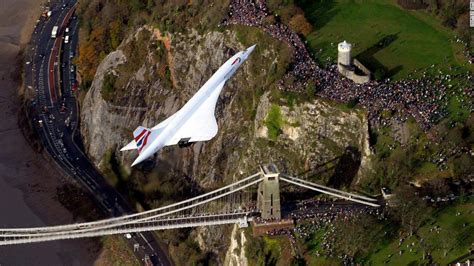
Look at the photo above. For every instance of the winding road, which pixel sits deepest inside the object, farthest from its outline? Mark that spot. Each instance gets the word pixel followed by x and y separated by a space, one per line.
pixel 50 72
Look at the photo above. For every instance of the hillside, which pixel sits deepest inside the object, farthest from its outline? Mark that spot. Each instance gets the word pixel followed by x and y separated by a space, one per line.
pixel 274 109
pixel 414 40
pixel 107 121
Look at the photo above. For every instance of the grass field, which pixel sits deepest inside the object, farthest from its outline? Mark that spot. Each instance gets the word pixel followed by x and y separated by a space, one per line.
pixel 457 109
pixel 314 245
pixel 268 250
pixel 411 39
pixel 454 239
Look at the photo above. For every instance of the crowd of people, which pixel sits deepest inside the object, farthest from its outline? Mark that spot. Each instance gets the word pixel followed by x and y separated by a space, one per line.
pixel 315 214
pixel 253 14
pixel 419 98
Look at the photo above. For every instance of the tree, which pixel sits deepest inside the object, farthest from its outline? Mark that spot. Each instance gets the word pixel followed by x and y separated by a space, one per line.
pixel 114 33
pixel 137 5
pixel 409 210
pixel 299 24
pixel 462 166
pixel 464 28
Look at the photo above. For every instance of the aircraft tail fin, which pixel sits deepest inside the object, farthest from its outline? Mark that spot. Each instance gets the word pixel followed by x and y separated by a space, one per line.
pixel 141 137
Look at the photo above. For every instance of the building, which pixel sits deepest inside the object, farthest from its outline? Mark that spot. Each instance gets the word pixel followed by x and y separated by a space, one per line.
pixel 352 69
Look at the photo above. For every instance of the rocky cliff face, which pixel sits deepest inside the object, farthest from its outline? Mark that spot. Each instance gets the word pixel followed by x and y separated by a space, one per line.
pixel 152 75
pixel 315 134
pixel 146 100
pixel 314 131
pixel 235 255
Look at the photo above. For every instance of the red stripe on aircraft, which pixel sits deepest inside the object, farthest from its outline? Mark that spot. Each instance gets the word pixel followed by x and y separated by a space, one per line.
pixel 144 141
pixel 140 135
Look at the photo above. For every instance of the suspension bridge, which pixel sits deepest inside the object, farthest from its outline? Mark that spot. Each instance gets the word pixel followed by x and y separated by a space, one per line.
pixel 231 204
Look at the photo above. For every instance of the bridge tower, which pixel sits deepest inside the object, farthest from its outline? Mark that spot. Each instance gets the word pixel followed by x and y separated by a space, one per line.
pixel 268 197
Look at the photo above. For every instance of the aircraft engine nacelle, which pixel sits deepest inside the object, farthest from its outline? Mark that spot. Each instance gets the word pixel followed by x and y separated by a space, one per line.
pixel 182 143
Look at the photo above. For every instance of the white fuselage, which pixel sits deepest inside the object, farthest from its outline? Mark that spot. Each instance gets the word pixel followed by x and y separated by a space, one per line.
pixel 181 117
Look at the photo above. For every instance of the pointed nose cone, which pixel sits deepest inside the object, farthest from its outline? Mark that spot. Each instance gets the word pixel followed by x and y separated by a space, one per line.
pixel 250 49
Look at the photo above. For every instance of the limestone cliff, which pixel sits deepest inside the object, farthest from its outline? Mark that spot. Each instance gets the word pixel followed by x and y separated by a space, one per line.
pixel 151 75
pixel 235 255
pixel 315 131
pixel 313 134
pixel 145 100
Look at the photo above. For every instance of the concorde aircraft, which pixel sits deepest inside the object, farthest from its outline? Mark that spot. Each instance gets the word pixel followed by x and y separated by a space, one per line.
pixel 195 121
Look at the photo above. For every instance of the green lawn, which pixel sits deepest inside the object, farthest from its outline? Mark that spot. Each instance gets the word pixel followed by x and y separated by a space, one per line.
pixel 313 244
pixel 427 167
pixel 453 238
pixel 457 109
pixel 381 257
pixel 456 234
pixel 413 39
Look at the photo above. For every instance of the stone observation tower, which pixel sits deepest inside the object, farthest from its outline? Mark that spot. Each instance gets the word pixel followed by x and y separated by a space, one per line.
pixel 344 55
pixel 353 70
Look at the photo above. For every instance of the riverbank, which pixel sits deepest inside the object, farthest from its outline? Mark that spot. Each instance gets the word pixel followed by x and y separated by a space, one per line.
pixel 29 181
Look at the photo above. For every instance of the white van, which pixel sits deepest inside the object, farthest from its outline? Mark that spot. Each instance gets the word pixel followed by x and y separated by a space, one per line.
pixel 54 32
pixel 66 39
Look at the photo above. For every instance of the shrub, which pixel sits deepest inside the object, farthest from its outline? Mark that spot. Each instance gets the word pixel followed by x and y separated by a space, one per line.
pixel 274 122
pixel 299 24
pixel 108 86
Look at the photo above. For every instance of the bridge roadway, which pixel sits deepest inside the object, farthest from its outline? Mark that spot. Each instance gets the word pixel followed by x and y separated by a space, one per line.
pixel 57 130
pixel 176 215
pixel 240 218
pixel 168 210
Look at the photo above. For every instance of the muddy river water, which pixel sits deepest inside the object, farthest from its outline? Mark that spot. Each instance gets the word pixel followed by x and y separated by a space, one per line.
pixel 28 180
